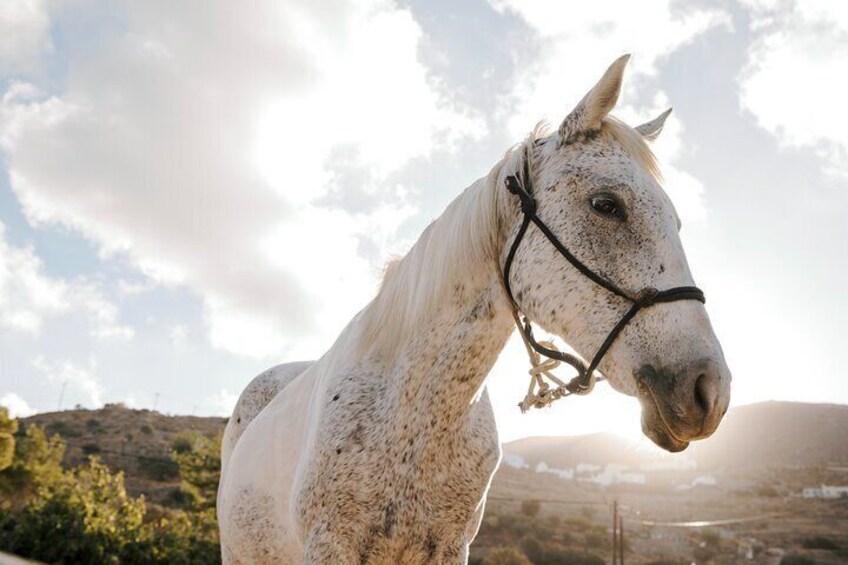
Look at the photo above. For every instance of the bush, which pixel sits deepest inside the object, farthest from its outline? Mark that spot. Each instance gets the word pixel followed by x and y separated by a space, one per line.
pixel 532 548
pixel 530 508
pixel 93 425
pixel 797 560
pixel 64 429
pixel 506 556
pixel 819 542
pixel 200 471
pixel 90 449
pixel 158 469
pixel 84 515
pixel 8 428
pixel 597 541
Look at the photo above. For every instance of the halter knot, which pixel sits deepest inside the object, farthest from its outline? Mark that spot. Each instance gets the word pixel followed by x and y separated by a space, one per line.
pixel 528 203
pixel 647 296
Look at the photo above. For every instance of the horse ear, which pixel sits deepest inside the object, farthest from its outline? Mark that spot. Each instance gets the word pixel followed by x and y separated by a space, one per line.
pixel 599 101
pixel 651 130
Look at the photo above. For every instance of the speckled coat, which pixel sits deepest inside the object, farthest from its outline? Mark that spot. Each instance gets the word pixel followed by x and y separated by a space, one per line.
pixel 382 451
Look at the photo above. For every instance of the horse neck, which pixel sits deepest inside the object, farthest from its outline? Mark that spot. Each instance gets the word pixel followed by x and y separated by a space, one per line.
pixel 441 371
pixel 442 310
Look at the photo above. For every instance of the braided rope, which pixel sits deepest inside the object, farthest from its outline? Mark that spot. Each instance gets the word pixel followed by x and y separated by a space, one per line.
pixel 540 393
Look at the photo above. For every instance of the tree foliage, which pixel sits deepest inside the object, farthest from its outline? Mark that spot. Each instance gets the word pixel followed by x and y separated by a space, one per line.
pixel 199 461
pixel 84 515
pixel 8 427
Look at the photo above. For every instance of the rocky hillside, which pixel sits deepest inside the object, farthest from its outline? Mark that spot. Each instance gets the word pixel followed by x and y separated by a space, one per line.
pixel 138 442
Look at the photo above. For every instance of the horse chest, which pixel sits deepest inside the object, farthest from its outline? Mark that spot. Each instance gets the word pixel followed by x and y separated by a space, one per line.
pixel 397 487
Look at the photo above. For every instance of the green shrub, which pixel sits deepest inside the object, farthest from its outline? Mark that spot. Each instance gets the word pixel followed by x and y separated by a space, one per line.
pixel 820 542
pixel 158 469
pixel 530 508
pixel 8 428
pixel 506 556
pixel 797 560
pixel 532 547
pixel 64 429
pixel 85 515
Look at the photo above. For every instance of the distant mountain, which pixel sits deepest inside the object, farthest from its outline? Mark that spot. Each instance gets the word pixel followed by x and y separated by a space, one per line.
pixel 568 451
pixel 784 433
pixel 768 433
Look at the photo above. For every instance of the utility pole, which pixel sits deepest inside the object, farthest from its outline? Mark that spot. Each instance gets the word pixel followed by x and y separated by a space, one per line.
pixel 620 539
pixel 614 532
pixel 155 401
pixel 62 395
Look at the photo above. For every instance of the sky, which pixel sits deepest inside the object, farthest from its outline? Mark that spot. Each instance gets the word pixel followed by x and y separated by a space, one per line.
pixel 192 192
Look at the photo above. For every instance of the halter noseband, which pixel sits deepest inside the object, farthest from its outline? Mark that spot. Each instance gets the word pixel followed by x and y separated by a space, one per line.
pixel 585 379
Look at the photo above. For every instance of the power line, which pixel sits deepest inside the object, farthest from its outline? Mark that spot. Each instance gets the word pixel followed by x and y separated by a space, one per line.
pixel 707 523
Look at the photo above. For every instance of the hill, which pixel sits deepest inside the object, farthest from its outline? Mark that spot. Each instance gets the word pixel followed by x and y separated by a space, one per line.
pixel 793 434
pixel 138 442
pixel 764 434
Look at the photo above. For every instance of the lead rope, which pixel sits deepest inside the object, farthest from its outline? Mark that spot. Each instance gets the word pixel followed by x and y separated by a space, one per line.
pixel 539 392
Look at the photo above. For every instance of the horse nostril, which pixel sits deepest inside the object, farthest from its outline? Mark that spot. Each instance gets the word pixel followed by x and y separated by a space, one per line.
pixel 704 393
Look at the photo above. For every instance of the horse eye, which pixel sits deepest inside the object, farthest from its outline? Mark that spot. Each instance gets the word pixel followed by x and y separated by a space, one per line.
pixel 607 205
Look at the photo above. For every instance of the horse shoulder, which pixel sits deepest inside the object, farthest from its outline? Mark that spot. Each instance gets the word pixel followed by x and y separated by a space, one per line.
pixel 255 397
pixel 260 464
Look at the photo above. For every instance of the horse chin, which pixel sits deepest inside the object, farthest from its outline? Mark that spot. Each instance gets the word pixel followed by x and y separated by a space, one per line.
pixel 655 428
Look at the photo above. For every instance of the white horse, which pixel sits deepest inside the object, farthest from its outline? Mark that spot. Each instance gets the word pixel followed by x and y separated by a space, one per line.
pixel 383 449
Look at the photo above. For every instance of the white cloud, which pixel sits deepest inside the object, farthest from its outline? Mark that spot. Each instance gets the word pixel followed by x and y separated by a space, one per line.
pixel 190 141
pixel 82 385
pixel 222 403
pixel 178 334
pixel 28 296
pixel 18 407
pixel 24 34
pixel 798 55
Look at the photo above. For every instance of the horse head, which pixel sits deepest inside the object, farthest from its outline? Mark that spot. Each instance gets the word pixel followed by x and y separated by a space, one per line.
pixel 596 188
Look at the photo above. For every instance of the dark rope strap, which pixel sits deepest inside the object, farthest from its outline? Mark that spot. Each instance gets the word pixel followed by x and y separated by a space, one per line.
pixel 582 383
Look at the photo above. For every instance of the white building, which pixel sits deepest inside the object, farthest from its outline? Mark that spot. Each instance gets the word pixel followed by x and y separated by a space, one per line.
pixel 565 474
pixel 670 464
pixel 514 460
pixel 613 475
pixel 825 491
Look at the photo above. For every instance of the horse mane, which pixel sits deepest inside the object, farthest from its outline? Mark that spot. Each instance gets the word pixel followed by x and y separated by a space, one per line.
pixel 466 236
pixel 633 143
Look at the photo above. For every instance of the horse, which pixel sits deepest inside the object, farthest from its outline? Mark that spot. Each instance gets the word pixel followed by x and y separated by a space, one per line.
pixel 382 450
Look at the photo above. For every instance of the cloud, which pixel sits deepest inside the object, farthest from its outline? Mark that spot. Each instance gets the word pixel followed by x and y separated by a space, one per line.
pixel 28 296
pixel 188 142
pixel 24 34
pixel 81 382
pixel 796 55
pixel 222 403
pixel 18 407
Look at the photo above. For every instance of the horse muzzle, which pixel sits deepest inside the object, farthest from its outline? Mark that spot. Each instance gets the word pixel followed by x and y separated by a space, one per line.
pixel 682 406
